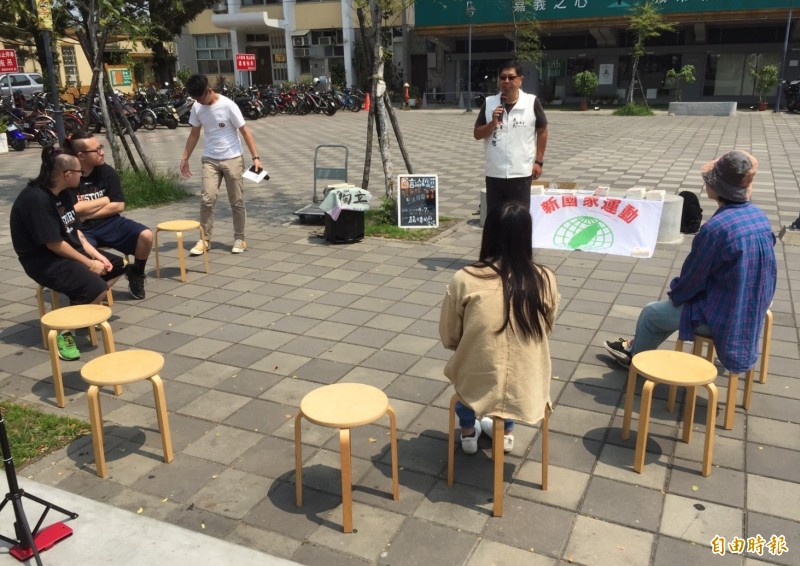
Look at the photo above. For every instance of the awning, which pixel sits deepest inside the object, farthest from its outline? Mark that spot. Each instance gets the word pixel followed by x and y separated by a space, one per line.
pixel 246 21
pixel 300 32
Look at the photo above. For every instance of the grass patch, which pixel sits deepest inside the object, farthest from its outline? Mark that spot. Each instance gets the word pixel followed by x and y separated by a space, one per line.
pixel 376 224
pixel 32 433
pixel 141 191
pixel 633 110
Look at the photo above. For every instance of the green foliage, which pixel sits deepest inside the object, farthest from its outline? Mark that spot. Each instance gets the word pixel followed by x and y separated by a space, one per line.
pixel 3 125
pixel 586 82
pixel 529 46
pixel 765 79
pixel 633 109
pixel 32 433
pixel 646 22
pixel 386 213
pixel 140 191
pixel 183 74
pixel 685 75
pixel 338 75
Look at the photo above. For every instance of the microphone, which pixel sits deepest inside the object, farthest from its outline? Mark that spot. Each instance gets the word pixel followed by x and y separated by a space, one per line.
pixel 503 102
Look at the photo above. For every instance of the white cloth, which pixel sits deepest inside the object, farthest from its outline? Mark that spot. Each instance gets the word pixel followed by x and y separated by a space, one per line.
pixel 352 198
pixel 221 122
pixel 511 149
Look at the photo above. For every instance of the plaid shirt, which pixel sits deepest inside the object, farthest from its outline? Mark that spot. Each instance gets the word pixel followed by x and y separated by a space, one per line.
pixel 728 281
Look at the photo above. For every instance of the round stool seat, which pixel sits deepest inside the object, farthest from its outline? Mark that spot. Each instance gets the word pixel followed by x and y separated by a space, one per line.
pixel 344 405
pixel 119 368
pixel 178 225
pixel 76 316
pixel 674 368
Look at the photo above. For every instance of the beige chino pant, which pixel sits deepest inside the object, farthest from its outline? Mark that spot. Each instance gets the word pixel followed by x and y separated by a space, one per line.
pixel 214 171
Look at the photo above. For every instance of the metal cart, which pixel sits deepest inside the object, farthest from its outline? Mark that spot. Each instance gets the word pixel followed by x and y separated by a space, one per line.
pixel 327 154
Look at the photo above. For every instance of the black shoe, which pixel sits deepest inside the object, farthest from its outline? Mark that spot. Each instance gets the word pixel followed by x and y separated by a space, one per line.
pixel 795 225
pixel 620 350
pixel 136 282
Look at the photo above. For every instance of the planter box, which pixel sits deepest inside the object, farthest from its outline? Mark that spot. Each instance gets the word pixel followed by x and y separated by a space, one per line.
pixel 702 108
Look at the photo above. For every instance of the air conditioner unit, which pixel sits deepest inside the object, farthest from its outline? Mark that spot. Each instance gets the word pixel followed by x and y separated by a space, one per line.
pixel 300 40
pixel 220 8
pixel 325 40
pixel 301 52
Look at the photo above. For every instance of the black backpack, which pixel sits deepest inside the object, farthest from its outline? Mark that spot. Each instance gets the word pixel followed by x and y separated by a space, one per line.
pixel 692 214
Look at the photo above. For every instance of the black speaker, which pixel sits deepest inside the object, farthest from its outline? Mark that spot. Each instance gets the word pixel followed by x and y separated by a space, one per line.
pixel 348 228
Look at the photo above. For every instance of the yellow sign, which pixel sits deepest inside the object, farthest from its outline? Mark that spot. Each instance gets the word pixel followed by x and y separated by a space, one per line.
pixel 45 12
pixel 279 57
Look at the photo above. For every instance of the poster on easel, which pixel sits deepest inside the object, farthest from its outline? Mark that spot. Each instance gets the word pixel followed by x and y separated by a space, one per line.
pixel 418 201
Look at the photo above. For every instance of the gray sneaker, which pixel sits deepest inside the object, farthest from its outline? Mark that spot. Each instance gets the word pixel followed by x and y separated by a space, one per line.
pixel 620 350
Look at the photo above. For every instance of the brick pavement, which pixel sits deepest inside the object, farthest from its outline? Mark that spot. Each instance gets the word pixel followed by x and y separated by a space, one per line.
pixel 246 342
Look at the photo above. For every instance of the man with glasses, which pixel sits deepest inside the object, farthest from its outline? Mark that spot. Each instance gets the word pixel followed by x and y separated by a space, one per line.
pixel 513 126
pixel 100 205
pixel 222 158
pixel 48 240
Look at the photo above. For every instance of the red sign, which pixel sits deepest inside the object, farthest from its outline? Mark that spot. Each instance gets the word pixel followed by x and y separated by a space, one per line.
pixel 8 61
pixel 245 61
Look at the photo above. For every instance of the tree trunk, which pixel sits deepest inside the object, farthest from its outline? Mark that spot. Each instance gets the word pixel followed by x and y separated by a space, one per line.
pixel 378 90
pixel 397 133
pixel 371 116
pixel 634 72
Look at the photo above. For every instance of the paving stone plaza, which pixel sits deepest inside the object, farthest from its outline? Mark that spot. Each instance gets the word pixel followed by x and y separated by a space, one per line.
pixel 246 342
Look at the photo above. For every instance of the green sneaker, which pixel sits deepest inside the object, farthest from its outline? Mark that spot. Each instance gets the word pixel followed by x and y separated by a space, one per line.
pixel 67 350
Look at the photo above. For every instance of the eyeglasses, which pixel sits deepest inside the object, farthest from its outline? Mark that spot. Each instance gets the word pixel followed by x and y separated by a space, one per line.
pixel 508 77
pixel 74 171
pixel 97 150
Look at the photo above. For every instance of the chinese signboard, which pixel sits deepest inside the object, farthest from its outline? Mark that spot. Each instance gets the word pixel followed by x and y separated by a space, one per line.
pixel 8 61
pixel 583 221
pixel 418 201
pixel 435 13
pixel 245 61
pixel 119 75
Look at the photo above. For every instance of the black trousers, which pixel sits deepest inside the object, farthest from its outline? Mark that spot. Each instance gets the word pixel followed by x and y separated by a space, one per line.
pixel 500 191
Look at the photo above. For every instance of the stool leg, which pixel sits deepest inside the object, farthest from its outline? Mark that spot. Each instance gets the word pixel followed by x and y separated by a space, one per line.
pixel 96 422
pixel 298 460
pixel 644 425
pixel 181 260
pixel 766 346
pixel 163 419
pixel 748 387
pixel 673 389
pixel 55 365
pixel 498 431
pixel 629 392
pixel 347 487
pixel 711 424
pixel 451 441
pixel 545 447
pixel 110 297
pixel 93 335
pixel 40 304
pixel 730 407
pixel 688 413
pixel 205 251
pixel 108 344
pixel 158 266
pixel 393 436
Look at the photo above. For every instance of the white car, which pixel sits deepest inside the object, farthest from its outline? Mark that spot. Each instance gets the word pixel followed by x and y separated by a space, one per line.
pixel 25 83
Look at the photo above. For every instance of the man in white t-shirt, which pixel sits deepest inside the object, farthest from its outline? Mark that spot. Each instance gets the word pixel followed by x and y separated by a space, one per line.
pixel 222 157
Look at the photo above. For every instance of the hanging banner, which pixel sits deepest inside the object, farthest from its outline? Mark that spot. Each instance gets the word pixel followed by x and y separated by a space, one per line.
pixel 599 224
pixel 44 12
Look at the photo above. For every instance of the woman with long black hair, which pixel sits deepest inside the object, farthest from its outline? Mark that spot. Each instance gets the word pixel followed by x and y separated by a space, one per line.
pixel 497 315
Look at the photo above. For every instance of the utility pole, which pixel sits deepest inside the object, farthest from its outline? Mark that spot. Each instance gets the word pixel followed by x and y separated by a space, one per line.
pixel 44 10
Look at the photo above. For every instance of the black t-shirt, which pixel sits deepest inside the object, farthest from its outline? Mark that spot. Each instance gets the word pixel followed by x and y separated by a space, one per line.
pixel 38 217
pixel 102 182
pixel 538 110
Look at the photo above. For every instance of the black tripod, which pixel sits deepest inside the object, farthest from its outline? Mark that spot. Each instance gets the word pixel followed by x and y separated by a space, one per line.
pixel 24 545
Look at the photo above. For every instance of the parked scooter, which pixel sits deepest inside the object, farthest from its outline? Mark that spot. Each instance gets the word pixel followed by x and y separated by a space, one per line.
pixel 791 92
pixel 16 139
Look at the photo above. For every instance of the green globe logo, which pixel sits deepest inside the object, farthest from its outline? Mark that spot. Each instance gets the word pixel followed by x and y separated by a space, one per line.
pixel 584 232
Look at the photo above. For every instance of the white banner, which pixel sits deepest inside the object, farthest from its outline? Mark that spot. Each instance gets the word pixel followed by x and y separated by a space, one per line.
pixel 606 225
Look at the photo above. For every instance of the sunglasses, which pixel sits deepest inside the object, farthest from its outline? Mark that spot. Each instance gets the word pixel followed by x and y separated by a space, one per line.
pixel 508 77
pixel 97 150
pixel 74 171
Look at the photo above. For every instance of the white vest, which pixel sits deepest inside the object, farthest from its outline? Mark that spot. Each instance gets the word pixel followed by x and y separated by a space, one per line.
pixel 511 149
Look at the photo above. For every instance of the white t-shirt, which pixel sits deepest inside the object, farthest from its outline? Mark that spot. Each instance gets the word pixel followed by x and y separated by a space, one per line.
pixel 221 122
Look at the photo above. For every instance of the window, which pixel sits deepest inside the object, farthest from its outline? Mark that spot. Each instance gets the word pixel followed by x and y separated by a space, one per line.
pixel 728 74
pixel 70 65
pixel 214 54
pixel 19 80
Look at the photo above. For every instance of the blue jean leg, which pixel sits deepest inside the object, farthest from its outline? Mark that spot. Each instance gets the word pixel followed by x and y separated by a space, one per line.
pixel 466 417
pixel 657 321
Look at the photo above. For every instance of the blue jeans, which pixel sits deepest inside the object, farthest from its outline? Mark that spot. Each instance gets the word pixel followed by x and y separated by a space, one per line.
pixel 466 418
pixel 657 321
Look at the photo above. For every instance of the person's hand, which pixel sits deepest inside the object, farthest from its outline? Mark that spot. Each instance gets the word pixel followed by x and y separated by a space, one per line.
pixel 105 263
pixel 537 171
pixel 185 173
pixel 497 115
pixel 98 267
pixel 257 165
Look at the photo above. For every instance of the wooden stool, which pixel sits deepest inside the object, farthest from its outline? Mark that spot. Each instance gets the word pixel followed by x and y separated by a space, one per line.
pixel 70 318
pixel 733 378
pixel 498 430
pixel 344 406
pixel 55 302
pixel 677 369
pixel 120 368
pixel 179 227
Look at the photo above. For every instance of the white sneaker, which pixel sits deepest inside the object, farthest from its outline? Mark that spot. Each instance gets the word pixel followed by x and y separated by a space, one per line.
pixel 487 424
pixel 469 445
pixel 200 247
pixel 238 246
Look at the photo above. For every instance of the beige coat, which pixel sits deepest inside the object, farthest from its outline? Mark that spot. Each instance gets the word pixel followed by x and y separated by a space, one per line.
pixel 495 374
